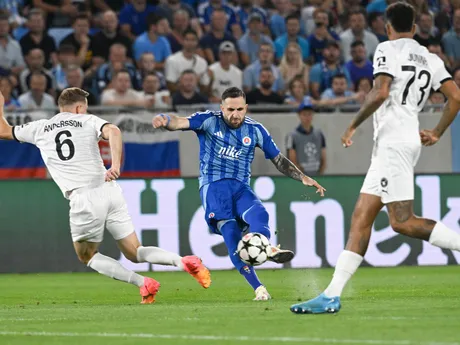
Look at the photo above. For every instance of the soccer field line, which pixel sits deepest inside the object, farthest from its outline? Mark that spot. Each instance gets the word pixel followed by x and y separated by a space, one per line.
pixel 225 338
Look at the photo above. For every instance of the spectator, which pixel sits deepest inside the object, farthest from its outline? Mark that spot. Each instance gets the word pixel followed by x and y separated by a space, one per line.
pixel 321 73
pixel 306 146
pixel 357 32
pixel 292 35
pixel 117 60
pixel 321 35
pixel 297 92
pixel 451 41
pixel 75 78
pixel 206 12
pixel 185 60
pixel 436 100
pixel 434 47
pixel 425 30
pixel 264 93
pixel 377 26
pixel 251 73
pixel 181 23
pixel 14 9
pixel 187 91
pixel 277 19
pixel 109 35
pixel 66 57
pixel 147 66
pixel 339 92
pixel 11 58
pixel 149 41
pixel 308 14
pixel 359 66
pixel 122 94
pixel 223 73
pixel 133 18
pixel 168 9
pixel 246 10
pixel 38 38
pixel 81 40
pixel 379 6
pixel 363 85
pixel 211 41
pixel 292 66
pixel 102 5
pixel 6 87
pixel 58 12
pixel 250 42
pixel 35 64
pixel 163 28
pixel 150 88
pixel 36 98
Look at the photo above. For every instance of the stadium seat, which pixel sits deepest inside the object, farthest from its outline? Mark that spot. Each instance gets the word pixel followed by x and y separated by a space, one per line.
pixel 59 34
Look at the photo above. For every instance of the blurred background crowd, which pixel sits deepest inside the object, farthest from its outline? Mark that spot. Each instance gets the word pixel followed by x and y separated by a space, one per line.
pixel 167 53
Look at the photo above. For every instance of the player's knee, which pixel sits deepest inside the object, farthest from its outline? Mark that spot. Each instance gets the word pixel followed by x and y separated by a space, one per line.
pixel 132 257
pixel 85 257
pixel 401 227
pixel 257 215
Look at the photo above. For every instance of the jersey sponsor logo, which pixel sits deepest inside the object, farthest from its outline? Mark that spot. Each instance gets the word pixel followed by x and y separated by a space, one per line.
pixel 219 134
pixel 211 215
pixel 229 152
pixel 60 124
pixel 247 141
pixel 381 61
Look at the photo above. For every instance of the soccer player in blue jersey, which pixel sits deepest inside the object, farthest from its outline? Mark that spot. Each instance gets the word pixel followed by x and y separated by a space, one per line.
pixel 227 144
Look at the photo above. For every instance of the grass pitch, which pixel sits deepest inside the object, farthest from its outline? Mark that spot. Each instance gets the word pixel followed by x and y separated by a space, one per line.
pixel 388 306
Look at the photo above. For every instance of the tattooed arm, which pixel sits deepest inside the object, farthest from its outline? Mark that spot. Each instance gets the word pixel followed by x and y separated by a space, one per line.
pixel 289 169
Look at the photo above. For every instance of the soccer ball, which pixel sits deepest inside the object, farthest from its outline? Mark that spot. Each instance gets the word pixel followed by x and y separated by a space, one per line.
pixel 253 249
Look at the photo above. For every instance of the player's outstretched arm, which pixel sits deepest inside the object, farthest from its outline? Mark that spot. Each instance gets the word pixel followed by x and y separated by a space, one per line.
pixel 6 131
pixel 451 109
pixel 113 134
pixel 373 101
pixel 170 122
pixel 289 169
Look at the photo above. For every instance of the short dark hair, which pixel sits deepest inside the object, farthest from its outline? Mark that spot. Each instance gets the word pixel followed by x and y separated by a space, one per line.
pixel 292 16
pixel 356 10
pixel 357 43
pixel 152 19
pixel 233 92
pixel 71 96
pixel 372 17
pixel 123 70
pixel 35 12
pixel 191 32
pixel 188 71
pixel 81 16
pixel 401 16
pixel 66 49
pixel 339 76
pixel 266 69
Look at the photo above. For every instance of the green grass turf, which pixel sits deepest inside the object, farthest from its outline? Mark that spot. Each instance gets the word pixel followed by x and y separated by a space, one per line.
pixel 394 306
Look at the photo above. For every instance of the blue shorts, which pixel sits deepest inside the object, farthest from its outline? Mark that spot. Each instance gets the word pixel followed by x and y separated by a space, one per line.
pixel 226 199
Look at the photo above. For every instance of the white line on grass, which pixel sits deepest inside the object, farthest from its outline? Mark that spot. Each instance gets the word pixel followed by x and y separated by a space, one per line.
pixel 226 338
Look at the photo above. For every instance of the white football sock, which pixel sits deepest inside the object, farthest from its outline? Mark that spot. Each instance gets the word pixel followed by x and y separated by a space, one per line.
pixel 159 256
pixel 113 269
pixel 445 238
pixel 347 264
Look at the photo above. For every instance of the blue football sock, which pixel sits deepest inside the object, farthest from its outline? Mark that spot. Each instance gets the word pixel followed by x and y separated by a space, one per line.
pixel 257 219
pixel 232 235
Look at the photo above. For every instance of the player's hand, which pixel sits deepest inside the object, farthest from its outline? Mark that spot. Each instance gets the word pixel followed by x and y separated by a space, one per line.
pixel 428 137
pixel 308 181
pixel 112 174
pixel 346 137
pixel 159 121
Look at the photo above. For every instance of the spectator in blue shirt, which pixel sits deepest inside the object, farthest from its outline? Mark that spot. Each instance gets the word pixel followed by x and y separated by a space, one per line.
pixel 321 73
pixel 321 34
pixel 359 66
pixel 338 91
pixel 210 42
pixel 206 10
pixel 244 12
pixel 377 26
pixel 252 72
pixel 252 39
pixel 292 35
pixel 277 19
pixel 451 40
pixel 133 18
pixel 149 41
pixel 6 87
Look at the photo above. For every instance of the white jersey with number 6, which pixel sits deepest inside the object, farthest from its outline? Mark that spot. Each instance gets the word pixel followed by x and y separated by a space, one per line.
pixel 415 71
pixel 68 144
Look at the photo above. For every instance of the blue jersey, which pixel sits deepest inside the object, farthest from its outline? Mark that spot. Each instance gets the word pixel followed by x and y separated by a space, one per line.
pixel 227 153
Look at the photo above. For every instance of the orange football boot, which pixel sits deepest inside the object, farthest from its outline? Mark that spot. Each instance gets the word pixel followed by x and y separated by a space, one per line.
pixel 194 266
pixel 149 290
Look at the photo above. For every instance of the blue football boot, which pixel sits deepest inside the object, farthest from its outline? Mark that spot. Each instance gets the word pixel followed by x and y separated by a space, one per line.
pixel 318 305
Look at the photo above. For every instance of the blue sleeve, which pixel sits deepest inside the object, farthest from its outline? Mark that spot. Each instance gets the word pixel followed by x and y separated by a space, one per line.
pixel 200 121
pixel 206 18
pixel 448 47
pixel 279 49
pixel 347 74
pixel 305 48
pixel 266 143
pixel 137 49
pixel 243 45
pixel 124 17
pixel 232 20
pixel 315 74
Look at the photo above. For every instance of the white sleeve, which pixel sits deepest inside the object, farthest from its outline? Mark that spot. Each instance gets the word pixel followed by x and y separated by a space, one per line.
pixel 26 133
pixel 97 123
pixel 170 71
pixel 384 60
pixel 107 96
pixel 440 75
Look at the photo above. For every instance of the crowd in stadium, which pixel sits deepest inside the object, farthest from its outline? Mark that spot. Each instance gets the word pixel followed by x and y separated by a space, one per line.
pixel 167 53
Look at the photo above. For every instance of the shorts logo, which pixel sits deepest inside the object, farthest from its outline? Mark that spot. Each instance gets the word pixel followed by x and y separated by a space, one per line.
pixel 246 269
pixel 384 182
pixel 211 215
pixel 247 141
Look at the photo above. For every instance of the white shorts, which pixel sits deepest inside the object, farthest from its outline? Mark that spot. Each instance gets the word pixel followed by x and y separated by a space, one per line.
pixel 391 174
pixel 93 210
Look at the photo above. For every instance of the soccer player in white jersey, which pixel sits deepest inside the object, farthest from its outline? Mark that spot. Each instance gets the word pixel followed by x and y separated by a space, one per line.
pixel 404 73
pixel 68 143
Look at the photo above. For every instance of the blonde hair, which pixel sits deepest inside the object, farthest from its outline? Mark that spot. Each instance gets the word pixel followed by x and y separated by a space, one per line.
pixel 289 72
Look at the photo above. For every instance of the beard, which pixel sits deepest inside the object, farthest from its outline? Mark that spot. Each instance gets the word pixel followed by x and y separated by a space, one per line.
pixel 233 125
pixel 266 85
